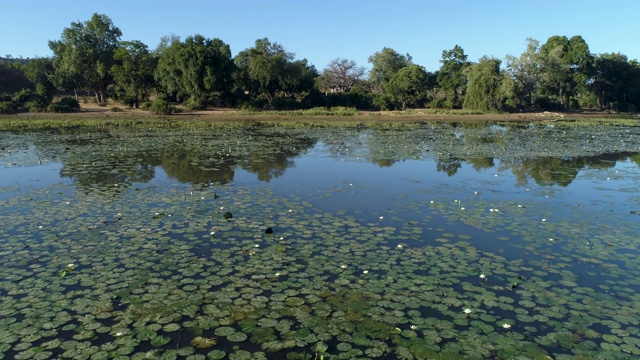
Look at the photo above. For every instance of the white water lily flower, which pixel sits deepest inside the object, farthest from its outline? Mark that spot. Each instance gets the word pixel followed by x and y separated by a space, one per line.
pixel 506 326
pixel 277 274
pixel 399 246
pixel 467 311
pixel 257 245
pixel 343 266
pixel 482 276
pixel 71 265
pixel 413 327
pixel 365 272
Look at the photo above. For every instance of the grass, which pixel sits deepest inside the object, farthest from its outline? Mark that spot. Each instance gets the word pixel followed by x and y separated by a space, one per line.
pixel 317 111
pixel 93 116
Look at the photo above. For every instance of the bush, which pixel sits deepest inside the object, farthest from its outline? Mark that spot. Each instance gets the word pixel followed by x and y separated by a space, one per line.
pixel 195 104
pixel 116 109
pixel 8 107
pixel 64 105
pixel 36 106
pixel 146 105
pixel 162 107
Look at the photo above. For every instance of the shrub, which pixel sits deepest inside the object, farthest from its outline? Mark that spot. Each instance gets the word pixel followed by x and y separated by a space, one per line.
pixel 36 105
pixel 65 104
pixel 195 104
pixel 116 109
pixel 8 107
pixel 146 105
pixel 162 107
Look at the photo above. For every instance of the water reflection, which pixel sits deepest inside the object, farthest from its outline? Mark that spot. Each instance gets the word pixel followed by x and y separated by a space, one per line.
pixel 94 157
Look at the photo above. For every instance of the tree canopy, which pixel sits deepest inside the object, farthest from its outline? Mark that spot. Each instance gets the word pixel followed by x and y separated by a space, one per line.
pixel 559 74
pixel 85 54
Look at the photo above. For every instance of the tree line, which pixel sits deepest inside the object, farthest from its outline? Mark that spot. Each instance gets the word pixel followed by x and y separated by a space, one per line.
pixel 200 72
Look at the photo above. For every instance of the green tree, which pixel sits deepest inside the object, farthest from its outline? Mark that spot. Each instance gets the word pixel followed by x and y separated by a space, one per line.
pixel 168 72
pixel 409 86
pixel 451 76
pixel 566 65
pixel 268 70
pixel 616 82
pixel 85 54
pixel 264 68
pixel 526 72
pixel 133 71
pixel 484 89
pixel 207 69
pixel 199 69
pixel 384 64
pixel 40 72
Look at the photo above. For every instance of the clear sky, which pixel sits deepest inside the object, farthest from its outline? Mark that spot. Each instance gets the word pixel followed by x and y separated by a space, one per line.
pixel 324 30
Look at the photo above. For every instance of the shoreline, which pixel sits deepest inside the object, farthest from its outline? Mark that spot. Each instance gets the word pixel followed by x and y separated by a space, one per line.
pixel 96 113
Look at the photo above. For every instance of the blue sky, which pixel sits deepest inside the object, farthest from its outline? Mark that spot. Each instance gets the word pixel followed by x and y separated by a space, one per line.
pixel 323 30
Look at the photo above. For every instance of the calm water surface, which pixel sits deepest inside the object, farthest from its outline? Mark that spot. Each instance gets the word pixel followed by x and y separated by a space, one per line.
pixel 246 241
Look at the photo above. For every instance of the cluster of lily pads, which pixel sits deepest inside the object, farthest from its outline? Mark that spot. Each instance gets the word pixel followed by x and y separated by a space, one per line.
pixel 227 270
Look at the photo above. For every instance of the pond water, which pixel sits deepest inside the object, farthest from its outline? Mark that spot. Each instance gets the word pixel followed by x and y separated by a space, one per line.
pixel 254 241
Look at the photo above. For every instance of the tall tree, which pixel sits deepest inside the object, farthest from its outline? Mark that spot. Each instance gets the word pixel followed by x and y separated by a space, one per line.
pixel 207 68
pixel 133 71
pixel 566 64
pixel 483 91
pixel 168 72
pixel 526 71
pixel 199 69
pixel 341 75
pixel 85 53
pixel 409 86
pixel 616 82
pixel 451 77
pixel 267 70
pixel 384 64
pixel 40 72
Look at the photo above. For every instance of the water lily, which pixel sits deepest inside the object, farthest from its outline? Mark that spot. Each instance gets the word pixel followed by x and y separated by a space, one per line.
pixel 483 276
pixel 399 246
pixel 506 326
pixel 413 327
pixel 365 272
pixel 343 266
pixel 467 311
pixel 544 220
pixel 462 208
pixel 381 217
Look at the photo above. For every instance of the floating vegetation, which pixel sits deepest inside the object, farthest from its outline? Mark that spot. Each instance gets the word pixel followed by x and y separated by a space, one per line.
pixel 133 252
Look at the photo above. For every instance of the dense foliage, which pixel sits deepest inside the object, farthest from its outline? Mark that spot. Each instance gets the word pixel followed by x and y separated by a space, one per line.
pixel 89 58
